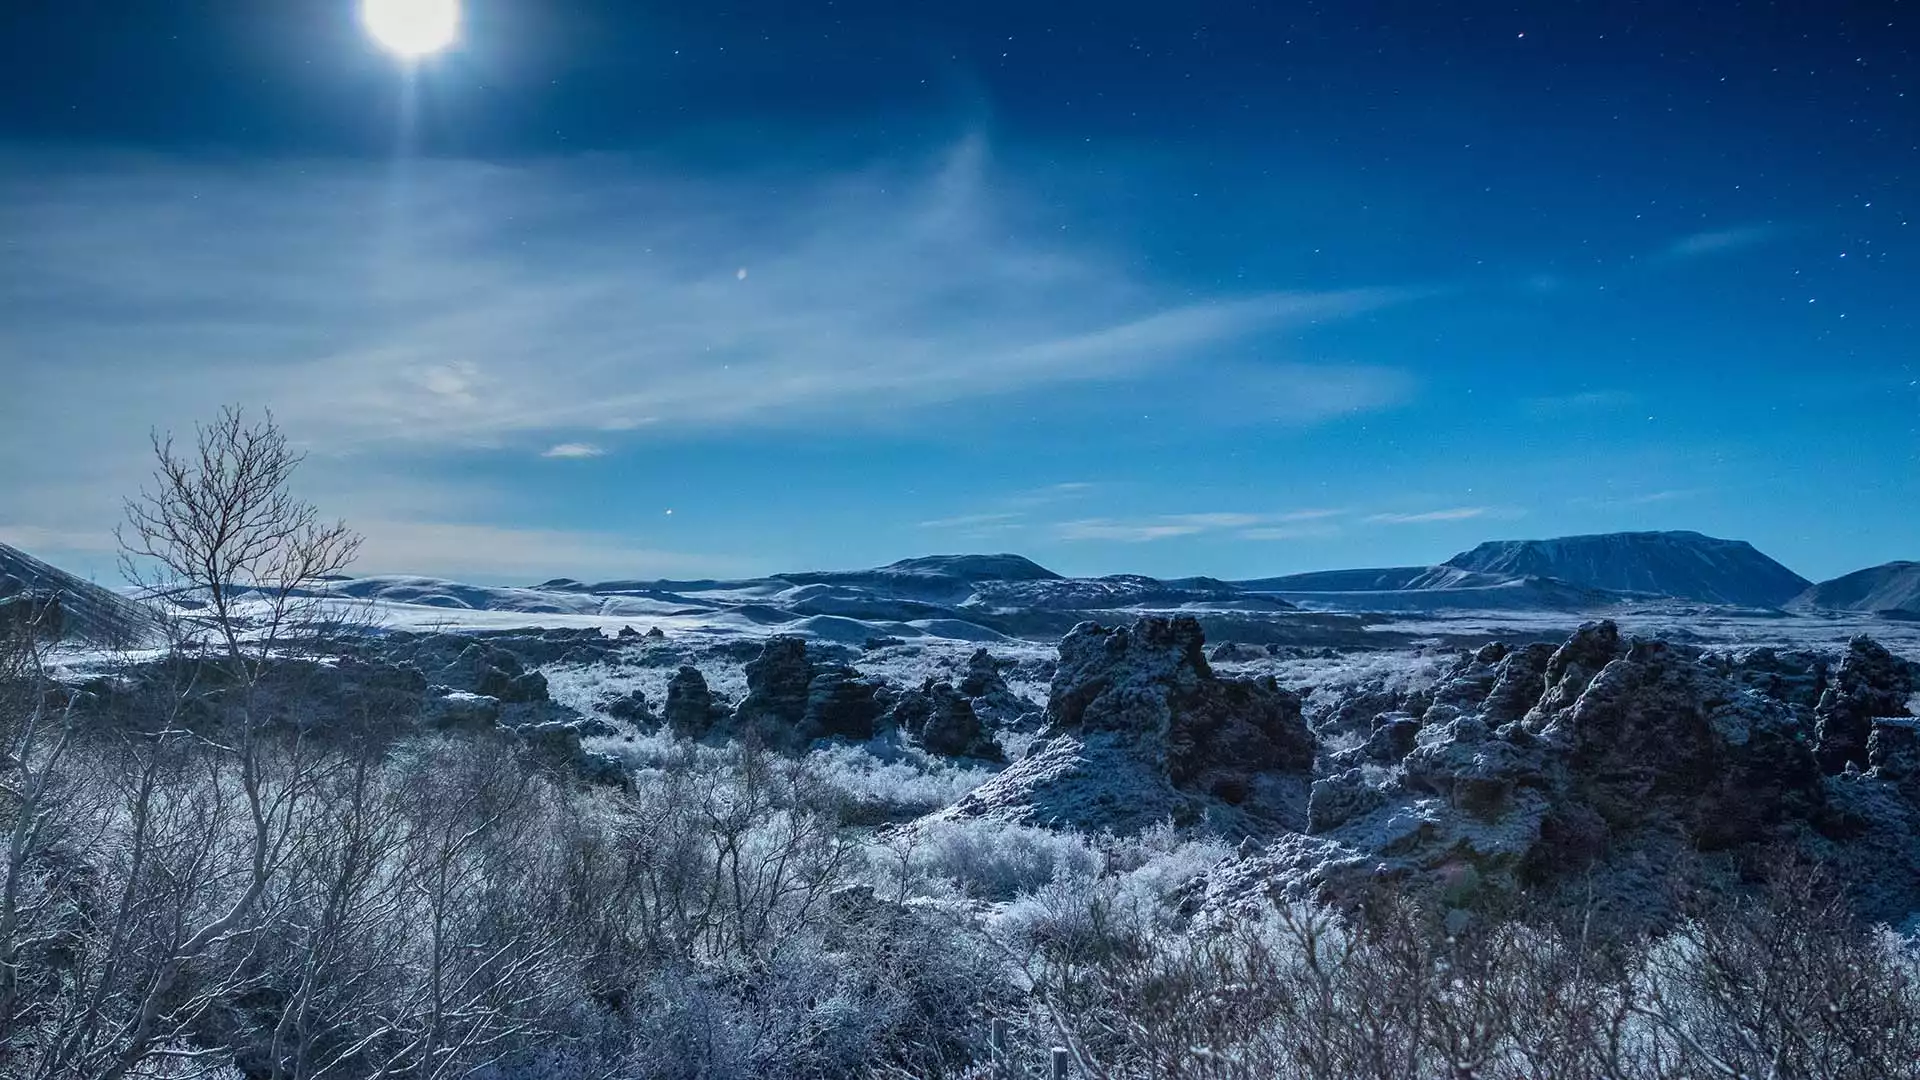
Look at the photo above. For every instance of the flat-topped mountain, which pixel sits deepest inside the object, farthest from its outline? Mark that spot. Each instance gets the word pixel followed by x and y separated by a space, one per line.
pixel 1683 565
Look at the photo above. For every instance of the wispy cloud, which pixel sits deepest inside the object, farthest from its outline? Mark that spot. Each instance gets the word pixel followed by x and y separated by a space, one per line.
pixel 1126 532
pixel 1429 517
pixel 482 303
pixel 574 450
pixel 1556 406
pixel 1291 532
pixel 496 553
pixel 1647 498
pixel 971 521
pixel 1718 241
pixel 1251 526
pixel 554 308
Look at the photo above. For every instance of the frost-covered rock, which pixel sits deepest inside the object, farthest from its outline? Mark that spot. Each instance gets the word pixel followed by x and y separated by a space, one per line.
pixel 692 711
pixel 994 702
pixel 1871 682
pixel 447 709
pixel 485 668
pixel 1532 765
pixel 634 708
pixel 1152 682
pixel 1893 749
pixel 777 684
pixel 840 704
pixel 1142 731
pixel 942 719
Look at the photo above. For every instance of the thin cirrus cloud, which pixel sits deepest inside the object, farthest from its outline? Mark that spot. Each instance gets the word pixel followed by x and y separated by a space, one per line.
pixel 479 304
pixel 479 551
pixel 1719 241
pixel 1297 524
pixel 1430 517
pixel 397 316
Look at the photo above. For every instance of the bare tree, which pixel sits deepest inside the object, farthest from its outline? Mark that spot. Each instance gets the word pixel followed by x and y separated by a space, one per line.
pixel 219 533
pixel 199 820
pixel 34 739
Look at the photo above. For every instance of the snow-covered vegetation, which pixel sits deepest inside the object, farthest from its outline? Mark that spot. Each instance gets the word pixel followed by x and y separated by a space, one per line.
pixel 276 845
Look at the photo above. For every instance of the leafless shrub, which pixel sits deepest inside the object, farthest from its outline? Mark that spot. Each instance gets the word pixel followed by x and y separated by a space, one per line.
pixel 1777 985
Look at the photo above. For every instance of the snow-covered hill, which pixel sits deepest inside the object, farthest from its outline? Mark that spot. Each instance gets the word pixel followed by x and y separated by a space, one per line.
pixel 87 611
pixel 1682 565
pixel 1893 588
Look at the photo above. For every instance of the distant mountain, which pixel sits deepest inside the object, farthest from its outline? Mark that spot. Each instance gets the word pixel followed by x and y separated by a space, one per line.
pixel 1392 579
pixel 1118 591
pixel 1893 588
pixel 1430 589
pixel 938 579
pixel 87 611
pixel 1683 565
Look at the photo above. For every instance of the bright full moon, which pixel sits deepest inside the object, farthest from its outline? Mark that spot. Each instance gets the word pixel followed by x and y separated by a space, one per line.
pixel 412 28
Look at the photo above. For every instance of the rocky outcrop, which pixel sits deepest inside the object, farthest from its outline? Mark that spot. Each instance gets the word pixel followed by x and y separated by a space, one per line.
pixel 1871 682
pixel 692 711
pixel 840 704
pixel 1527 766
pixel 994 702
pixel 485 668
pixel 1152 682
pixel 778 681
pixel 942 720
pixel 1140 730
pixel 633 708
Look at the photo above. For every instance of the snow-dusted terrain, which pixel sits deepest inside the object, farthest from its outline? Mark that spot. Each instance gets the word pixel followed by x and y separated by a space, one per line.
pixel 87 611
pixel 1682 565
pixel 1891 589
pixel 942 601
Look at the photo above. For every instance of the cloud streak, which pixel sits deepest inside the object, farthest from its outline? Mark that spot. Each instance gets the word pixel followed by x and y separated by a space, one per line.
pixel 1430 517
pixel 397 320
pixel 1720 241
pixel 476 303
pixel 1291 525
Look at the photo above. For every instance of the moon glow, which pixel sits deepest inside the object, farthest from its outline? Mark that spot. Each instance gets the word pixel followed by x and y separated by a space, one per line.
pixel 412 28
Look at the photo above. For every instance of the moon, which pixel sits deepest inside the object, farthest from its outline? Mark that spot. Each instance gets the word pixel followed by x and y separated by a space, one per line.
pixel 412 28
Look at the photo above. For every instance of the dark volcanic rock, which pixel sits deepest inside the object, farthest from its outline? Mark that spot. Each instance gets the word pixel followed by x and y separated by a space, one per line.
pixel 633 708
pixel 994 702
pixel 841 704
pixel 1142 732
pixel 1871 682
pixel 778 681
pixel 943 721
pixel 1152 682
pixel 983 675
pixel 1894 750
pixel 1530 765
pixel 692 712
pixel 485 668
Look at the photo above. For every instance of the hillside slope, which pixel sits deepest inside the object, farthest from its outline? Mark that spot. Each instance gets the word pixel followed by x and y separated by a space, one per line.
pixel 1894 587
pixel 88 612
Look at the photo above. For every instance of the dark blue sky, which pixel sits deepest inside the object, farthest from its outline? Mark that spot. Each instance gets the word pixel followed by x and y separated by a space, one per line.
pixel 1229 288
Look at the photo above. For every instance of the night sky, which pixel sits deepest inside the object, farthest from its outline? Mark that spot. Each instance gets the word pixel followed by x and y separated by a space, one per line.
pixel 637 289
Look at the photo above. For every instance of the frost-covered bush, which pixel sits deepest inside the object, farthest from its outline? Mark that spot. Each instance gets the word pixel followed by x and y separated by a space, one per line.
pixel 1779 986
pixel 897 783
